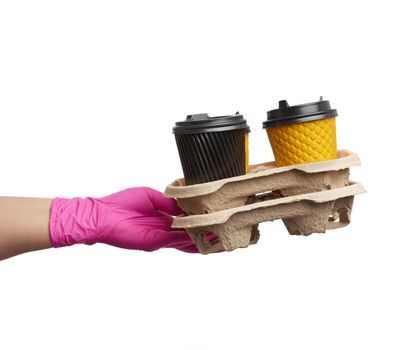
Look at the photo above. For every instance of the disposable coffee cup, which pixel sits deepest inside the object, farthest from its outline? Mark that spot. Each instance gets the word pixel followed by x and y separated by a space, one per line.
pixel 303 133
pixel 212 148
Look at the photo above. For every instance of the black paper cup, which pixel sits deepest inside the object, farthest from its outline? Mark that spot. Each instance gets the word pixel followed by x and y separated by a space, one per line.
pixel 212 148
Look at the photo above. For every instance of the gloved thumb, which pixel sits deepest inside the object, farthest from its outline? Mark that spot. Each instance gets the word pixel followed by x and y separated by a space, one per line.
pixel 165 204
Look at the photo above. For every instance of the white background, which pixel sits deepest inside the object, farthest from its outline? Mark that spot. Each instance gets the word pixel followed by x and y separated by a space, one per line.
pixel 89 92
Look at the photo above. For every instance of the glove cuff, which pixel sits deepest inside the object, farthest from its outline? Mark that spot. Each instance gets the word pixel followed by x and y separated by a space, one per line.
pixel 74 221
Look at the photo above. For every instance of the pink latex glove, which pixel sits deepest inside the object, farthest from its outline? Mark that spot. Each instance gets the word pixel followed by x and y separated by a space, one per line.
pixel 136 218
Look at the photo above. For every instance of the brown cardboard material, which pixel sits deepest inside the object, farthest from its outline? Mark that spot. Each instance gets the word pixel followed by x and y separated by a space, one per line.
pixel 309 198
pixel 303 214
pixel 236 191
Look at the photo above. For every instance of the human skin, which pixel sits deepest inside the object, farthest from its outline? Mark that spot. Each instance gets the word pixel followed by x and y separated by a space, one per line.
pixel 137 218
pixel 24 225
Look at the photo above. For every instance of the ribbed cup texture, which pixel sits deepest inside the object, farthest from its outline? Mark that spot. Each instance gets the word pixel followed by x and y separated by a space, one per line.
pixel 212 156
pixel 304 142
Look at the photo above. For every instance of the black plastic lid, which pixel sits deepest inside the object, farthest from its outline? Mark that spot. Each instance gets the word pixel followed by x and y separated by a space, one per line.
pixel 202 123
pixel 307 112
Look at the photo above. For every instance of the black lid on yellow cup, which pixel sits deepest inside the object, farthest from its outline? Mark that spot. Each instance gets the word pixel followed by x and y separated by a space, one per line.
pixel 202 123
pixel 307 112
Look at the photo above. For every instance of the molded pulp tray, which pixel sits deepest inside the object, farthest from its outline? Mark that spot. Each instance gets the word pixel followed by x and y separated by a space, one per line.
pixel 309 198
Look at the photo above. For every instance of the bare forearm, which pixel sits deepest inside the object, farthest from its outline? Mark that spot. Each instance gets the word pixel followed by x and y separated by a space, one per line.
pixel 24 225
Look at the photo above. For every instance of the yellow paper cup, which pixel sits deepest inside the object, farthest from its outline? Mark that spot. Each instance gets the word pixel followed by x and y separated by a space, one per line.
pixel 302 133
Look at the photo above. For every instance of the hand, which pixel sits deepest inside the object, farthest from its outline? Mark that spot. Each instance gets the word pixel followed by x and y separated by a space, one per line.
pixel 136 218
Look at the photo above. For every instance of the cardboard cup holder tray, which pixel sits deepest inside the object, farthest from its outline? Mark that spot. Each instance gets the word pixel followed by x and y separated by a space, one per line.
pixel 309 198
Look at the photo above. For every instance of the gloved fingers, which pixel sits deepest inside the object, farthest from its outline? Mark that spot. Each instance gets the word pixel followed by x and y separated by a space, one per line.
pixel 167 239
pixel 191 248
pixel 188 249
pixel 165 204
pixel 143 199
